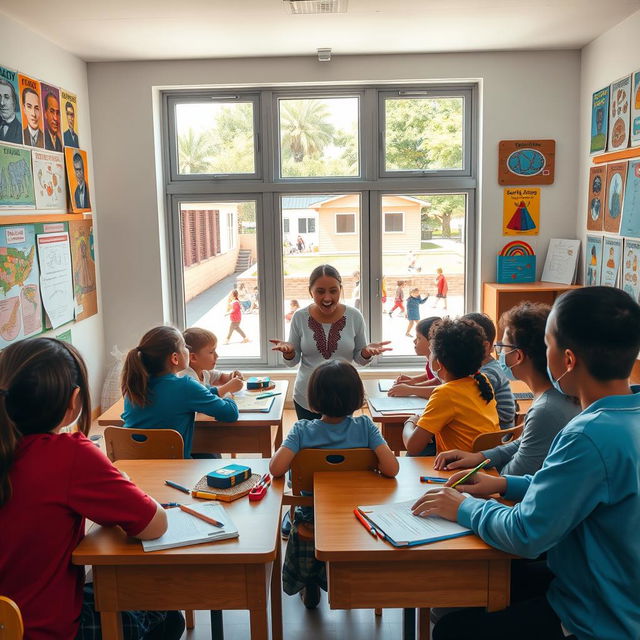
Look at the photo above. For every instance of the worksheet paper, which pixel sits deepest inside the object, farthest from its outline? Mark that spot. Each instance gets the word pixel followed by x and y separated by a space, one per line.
pixel 56 283
pixel 398 405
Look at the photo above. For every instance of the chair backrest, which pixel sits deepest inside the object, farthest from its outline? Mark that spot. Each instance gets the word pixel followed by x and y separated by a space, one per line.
pixel 123 443
pixel 495 438
pixel 11 627
pixel 308 461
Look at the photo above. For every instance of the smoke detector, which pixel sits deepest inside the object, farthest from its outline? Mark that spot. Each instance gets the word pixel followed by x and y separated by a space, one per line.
pixel 317 6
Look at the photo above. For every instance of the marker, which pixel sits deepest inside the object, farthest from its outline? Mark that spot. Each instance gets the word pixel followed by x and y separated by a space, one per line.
pixel 432 479
pixel 197 514
pixel 177 486
pixel 363 521
pixel 466 476
pixel 268 395
pixel 169 504
pixel 205 495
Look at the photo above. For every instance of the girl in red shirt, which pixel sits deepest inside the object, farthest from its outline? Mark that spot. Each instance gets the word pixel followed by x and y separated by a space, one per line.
pixel 235 315
pixel 49 483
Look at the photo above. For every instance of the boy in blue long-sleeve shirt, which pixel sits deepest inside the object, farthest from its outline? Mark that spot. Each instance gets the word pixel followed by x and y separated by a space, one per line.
pixel 583 506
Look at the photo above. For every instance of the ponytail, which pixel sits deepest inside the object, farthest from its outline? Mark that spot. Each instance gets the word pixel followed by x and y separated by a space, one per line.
pixel 486 390
pixel 148 359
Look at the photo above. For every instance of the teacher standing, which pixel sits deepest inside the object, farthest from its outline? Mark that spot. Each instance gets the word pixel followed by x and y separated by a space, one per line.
pixel 325 330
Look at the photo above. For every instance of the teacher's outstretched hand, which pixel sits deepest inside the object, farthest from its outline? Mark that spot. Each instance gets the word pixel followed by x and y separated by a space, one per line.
pixel 285 348
pixel 375 349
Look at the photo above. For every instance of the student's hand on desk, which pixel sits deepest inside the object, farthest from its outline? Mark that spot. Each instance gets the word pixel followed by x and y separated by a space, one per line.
pixel 399 391
pixel 235 384
pixel 403 378
pixel 442 502
pixel 285 348
pixel 481 485
pixel 457 459
pixel 375 349
pixel 237 374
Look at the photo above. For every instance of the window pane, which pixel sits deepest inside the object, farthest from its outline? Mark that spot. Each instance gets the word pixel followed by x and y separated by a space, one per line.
pixel 393 222
pixel 423 134
pixel 319 137
pixel 220 256
pixel 345 223
pixel 303 252
pixel 432 239
pixel 215 138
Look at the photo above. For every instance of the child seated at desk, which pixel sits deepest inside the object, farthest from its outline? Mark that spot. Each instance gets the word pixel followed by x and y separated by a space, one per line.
pixel 202 361
pixel 156 398
pixel 335 391
pixel 463 406
pixel 49 483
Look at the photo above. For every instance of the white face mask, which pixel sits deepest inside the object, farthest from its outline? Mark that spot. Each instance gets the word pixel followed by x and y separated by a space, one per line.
pixel 435 372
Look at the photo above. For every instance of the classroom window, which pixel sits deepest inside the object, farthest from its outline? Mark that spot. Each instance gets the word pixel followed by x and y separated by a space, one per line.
pixel 306 225
pixel 394 222
pixel 345 223
pixel 285 225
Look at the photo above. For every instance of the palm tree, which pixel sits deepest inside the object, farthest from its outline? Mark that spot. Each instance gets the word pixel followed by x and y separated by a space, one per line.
pixel 304 128
pixel 194 151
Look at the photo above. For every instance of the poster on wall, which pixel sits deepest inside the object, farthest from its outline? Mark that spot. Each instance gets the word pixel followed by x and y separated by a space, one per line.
pixel 616 179
pixel 10 118
pixel 69 114
pixel 596 200
pixel 619 114
pixel 599 120
pixel 84 268
pixel 51 117
pixel 635 109
pixel 630 275
pixel 78 179
pixel 49 180
pixel 32 132
pixel 521 212
pixel 611 253
pixel 20 309
pixel 525 162
pixel 631 210
pixel 593 261
pixel 16 178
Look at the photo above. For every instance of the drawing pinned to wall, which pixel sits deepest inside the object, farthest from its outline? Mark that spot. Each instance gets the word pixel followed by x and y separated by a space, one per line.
pixel 49 180
pixel 32 131
pixel 619 114
pixel 597 194
pixel 524 162
pixel 635 109
pixel 616 179
pixel 521 212
pixel 16 178
pixel 599 120
pixel 10 118
pixel 78 178
pixel 631 209
pixel 630 274
pixel 611 261
pixel 593 261
pixel 84 268
pixel 69 113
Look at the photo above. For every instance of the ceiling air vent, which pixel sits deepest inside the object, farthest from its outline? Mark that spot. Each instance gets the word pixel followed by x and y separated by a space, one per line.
pixel 317 6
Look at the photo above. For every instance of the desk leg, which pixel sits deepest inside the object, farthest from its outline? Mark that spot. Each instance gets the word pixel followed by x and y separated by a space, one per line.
pixel 111 623
pixel 258 586
pixel 278 442
pixel 498 595
pixel 259 624
pixel 424 624
pixel 276 594
pixel 217 628
pixel 408 624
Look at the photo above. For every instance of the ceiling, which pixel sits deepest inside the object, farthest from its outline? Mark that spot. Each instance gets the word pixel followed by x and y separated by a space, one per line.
pixel 165 29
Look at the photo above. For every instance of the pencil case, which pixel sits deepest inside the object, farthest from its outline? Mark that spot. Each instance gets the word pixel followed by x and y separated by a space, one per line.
pixel 254 383
pixel 228 476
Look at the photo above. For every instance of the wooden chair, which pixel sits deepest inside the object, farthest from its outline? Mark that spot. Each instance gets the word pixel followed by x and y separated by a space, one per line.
pixel 11 627
pixel 143 444
pixel 495 438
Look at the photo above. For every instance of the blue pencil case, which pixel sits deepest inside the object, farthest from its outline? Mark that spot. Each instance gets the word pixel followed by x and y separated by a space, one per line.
pixel 254 383
pixel 228 476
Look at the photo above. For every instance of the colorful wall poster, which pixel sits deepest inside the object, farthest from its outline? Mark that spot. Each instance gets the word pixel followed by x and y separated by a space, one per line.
pixel 32 131
pixel 51 117
pixel 616 179
pixel 597 194
pixel 630 275
pixel 631 210
pixel 49 180
pixel 524 162
pixel 593 261
pixel 521 212
pixel 619 114
pixel 69 113
pixel 16 178
pixel 84 268
pixel 611 253
pixel 635 109
pixel 599 120
pixel 20 308
pixel 10 118
pixel 78 178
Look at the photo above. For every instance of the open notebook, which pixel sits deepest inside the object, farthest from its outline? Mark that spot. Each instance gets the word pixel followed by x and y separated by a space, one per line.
pixel 185 529
pixel 402 529
pixel 386 404
pixel 250 403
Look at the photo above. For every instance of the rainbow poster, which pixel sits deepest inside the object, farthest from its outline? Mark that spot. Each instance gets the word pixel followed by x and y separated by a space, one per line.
pixel 521 212
pixel 516 263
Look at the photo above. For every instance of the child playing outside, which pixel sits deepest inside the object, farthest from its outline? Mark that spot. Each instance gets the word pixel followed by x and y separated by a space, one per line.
pixel 413 308
pixel 335 391
pixel 156 398
pixel 202 361
pixel 244 297
pixel 49 483
pixel 235 317
pixel 398 298
pixel 442 288
pixel 294 305
pixel 463 406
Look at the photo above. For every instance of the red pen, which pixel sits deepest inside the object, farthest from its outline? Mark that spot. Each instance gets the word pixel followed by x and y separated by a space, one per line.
pixel 364 522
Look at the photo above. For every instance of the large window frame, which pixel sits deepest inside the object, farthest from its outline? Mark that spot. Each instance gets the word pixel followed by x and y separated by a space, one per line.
pixel 266 187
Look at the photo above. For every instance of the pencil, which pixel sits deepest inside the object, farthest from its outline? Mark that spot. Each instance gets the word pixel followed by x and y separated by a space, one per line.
pixel 197 514
pixel 177 486
pixel 466 476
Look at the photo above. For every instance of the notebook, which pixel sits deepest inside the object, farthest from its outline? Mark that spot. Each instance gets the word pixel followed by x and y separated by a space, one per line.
pixel 402 529
pixel 252 404
pixel 385 385
pixel 398 405
pixel 185 529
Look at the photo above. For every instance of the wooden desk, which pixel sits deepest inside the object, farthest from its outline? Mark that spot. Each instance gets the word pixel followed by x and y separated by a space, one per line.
pixel 252 433
pixel 364 572
pixel 230 574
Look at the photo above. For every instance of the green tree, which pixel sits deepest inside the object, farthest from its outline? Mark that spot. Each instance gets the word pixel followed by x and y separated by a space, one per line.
pixel 304 128
pixel 194 152
pixel 232 138
pixel 442 209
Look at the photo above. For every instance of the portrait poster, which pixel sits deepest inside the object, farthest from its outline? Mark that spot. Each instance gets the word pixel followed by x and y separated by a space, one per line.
pixel 84 268
pixel 526 162
pixel 49 181
pixel 20 306
pixel 631 210
pixel 78 179
pixel 635 110
pixel 630 274
pixel 611 254
pixel 619 114
pixel 69 115
pixel 521 212
pixel 10 117
pixel 599 120
pixel 16 178
pixel 51 117
pixel 597 195
pixel 616 179
pixel 32 132
pixel 593 261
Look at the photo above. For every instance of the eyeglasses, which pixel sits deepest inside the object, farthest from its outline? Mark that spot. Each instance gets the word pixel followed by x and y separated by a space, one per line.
pixel 499 347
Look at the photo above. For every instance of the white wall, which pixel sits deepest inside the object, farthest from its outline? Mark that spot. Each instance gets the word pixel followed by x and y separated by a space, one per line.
pixel 523 95
pixel 33 55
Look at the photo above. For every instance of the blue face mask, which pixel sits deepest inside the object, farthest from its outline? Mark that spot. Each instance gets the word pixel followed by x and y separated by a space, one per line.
pixel 556 382
pixel 506 369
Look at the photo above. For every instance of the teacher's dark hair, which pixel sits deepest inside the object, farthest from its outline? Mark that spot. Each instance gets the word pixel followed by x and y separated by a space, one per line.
pixel 324 270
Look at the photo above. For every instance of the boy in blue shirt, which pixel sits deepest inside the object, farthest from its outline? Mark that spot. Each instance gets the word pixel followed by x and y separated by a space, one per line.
pixel 583 506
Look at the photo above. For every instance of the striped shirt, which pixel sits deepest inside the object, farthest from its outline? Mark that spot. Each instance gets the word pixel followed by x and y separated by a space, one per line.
pixel 502 390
